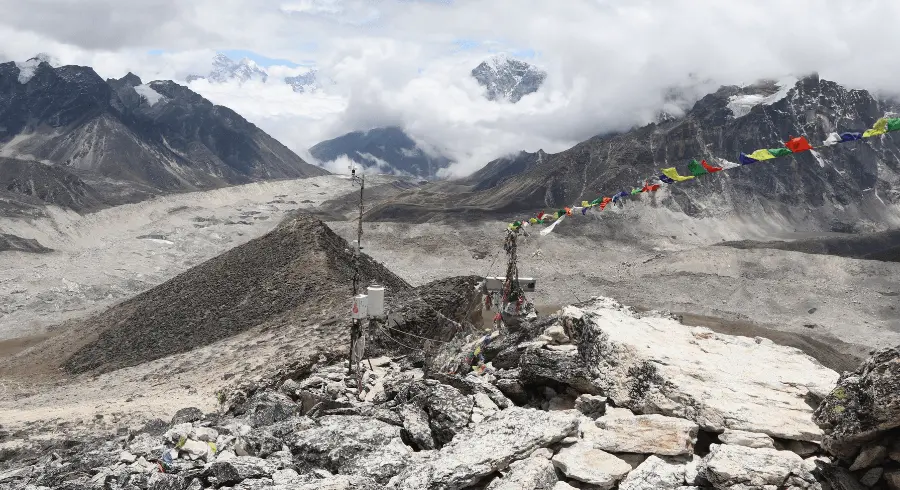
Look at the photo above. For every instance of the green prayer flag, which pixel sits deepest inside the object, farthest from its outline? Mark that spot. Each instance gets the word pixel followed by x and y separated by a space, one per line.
pixel 696 169
pixel 894 124
pixel 780 152
pixel 596 201
pixel 635 191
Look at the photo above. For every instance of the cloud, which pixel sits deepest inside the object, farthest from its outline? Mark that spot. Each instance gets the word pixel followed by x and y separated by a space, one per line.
pixel 610 63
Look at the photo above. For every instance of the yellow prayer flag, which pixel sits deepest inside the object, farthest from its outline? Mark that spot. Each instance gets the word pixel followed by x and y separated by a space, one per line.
pixel 585 204
pixel 880 127
pixel 760 155
pixel 673 174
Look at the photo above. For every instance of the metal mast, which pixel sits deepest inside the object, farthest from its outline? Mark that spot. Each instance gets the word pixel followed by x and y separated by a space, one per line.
pixel 356 332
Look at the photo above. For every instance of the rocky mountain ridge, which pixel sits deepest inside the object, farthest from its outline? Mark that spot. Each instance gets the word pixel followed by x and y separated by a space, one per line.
pixel 852 186
pixel 387 150
pixel 159 136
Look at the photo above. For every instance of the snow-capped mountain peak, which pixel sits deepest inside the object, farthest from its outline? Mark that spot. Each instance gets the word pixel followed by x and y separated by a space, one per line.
pixel 507 78
pixel 224 69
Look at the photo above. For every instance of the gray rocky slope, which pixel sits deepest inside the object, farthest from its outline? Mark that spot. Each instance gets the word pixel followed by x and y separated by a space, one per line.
pixel 594 397
pixel 848 187
pixel 385 150
pixel 159 136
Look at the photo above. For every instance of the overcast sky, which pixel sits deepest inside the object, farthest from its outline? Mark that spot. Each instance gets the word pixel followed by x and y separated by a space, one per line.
pixel 406 62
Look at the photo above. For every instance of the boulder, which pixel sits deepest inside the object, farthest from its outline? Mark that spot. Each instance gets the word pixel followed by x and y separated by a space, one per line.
pixel 863 406
pixel 352 444
pixel 475 453
pixel 802 448
pixel 563 486
pixel 654 474
pixel 592 406
pixel 654 364
pixel 556 334
pixel 339 482
pixel 190 414
pixel 416 431
pixel 534 473
pixel 748 439
pixel 238 469
pixel 163 481
pixel 646 434
pixel 540 366
pixel 268 407
pixel 838 478
pixel 448 411
pixel 741 467
pixel 871 477
pixel 593 466
pixel 870 456
pixel 892 479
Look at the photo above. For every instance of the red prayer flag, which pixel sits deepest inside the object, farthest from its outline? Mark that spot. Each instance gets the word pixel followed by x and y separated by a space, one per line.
pixel 606 200
pixel 709 168
pixel 797 145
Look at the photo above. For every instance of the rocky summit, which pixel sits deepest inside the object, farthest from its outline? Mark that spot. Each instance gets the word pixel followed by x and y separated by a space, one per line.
pixel 597 396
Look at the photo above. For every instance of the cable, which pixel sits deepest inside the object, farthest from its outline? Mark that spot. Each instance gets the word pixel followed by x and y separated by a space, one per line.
pixel 414 335
pixel 385 332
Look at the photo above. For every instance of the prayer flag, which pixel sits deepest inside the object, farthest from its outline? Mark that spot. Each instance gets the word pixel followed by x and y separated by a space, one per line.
pixel 709 168
pixel 798 144
pixel 696 169
pixel 673 174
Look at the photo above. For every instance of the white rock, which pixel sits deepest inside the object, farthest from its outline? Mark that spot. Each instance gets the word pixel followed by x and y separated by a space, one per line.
pixel 589 465
pixel 531 473
pixel 542 453
pixel 563 486
pixel 226 455
pixel 748 439
pixel 646 434
pixel 473 454
pixel 743 468
pixel 285 477
pixel 195 450
pixel 654 474
pixel 591 405
pixel 556 334
pixel 178 432
pixel 562 348
pixel 692 471
pixel 484 402
pixel 126 457
pixel 205 434
pixel 653 364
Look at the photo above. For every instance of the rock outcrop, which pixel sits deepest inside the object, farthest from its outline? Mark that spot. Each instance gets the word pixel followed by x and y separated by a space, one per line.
pixel 652 364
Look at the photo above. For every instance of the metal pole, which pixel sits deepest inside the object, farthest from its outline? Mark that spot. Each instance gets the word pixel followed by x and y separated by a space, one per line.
pixel 356 328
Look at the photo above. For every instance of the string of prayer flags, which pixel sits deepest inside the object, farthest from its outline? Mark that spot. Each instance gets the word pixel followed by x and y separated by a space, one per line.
pixel 880 127
pixel 798 145
pixel 673 174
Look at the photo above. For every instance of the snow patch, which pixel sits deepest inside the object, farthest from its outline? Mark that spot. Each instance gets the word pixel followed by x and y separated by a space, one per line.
pixel 740 105
pixel 818 158
pixel 147 92
pixel 26 70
